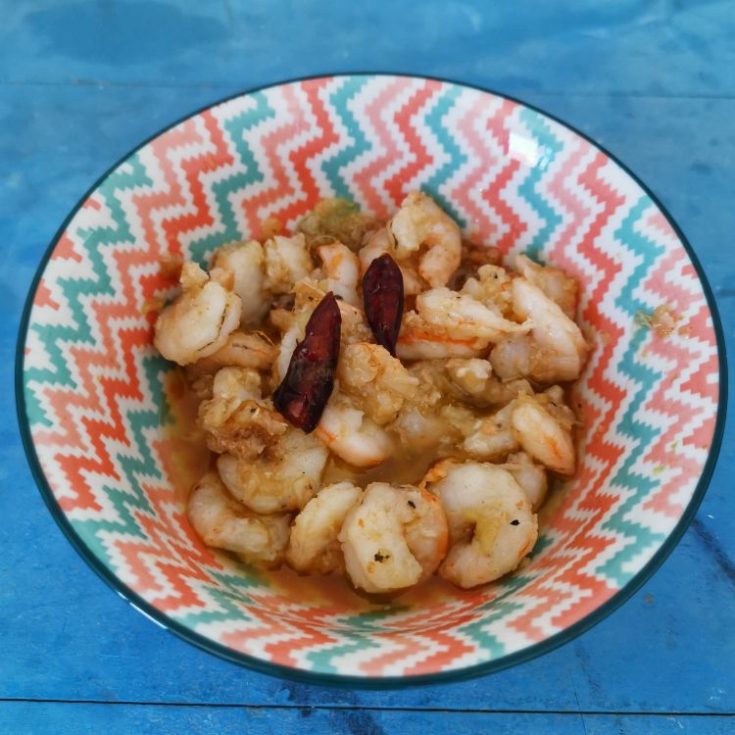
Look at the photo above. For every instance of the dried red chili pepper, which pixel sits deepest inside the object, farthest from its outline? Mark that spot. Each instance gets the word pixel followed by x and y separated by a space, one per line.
pixel 382 291
pixel 309 380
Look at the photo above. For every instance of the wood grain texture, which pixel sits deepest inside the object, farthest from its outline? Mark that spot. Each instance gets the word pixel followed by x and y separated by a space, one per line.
pixel 81 83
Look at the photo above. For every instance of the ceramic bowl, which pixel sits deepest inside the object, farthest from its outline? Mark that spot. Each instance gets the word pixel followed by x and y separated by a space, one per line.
pixel 101 412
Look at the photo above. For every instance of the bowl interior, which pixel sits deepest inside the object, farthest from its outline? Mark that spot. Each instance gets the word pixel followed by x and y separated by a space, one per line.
pixel 108 421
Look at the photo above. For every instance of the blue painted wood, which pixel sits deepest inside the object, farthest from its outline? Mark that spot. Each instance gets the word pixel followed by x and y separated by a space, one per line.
pixel 40 718
pixel 82 82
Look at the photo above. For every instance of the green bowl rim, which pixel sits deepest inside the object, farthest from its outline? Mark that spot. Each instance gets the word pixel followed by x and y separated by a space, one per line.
pixel 339 680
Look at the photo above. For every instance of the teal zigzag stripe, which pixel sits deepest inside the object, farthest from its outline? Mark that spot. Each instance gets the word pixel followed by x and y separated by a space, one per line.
pixel 550 147
pixel 435 122
pixel 53 337
pixel 235 130
pixel 334 165
pixel 645 378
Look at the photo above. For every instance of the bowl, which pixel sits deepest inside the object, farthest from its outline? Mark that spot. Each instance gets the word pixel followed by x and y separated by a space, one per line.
pixel 104 421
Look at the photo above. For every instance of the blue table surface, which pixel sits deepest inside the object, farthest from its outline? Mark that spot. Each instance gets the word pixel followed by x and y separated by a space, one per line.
pixel 84 81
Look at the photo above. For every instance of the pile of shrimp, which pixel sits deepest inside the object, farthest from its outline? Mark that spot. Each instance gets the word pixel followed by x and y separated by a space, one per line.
pixel 477 386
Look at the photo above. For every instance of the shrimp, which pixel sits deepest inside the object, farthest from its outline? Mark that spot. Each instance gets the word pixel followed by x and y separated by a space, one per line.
pixel 377 382
pixel 419 340
pixel 287 261
pixel 490 437
pixel 421 227
pixel 491 525
pixel 197 323
pixel 554 350
pixel 352 435
pixel 554 282
pixel 246 262
pixel 342 270
pixel 491 287
pixel 242 349
pixel 224 523
pixel 530 476
pixel 451 324
pixel 313 546
pixel 543 430
pixel 236 419
pixel 473 381
pixel 395 538
pixel 283 478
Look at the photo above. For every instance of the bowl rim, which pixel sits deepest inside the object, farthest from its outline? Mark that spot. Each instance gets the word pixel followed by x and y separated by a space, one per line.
pixel 342 680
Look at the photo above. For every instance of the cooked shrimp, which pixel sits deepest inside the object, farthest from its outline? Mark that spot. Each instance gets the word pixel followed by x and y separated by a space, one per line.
pixel 420 227
pixel 342 270
pixel 247 350
pixel 418 431
pixel 490 437
pixel 287 261
pixel 236 419
pixel 554 282
pixel 352 435
pixel 284 477
pixel 246 262
pixel 542 435
pixel 224 523
pixel 554 350
pixel 395 537
pixel 313 546
pixel 530 476
pixel 197 323
pixel 378 383
pixel 491 525
pixel 491 287
pixel 451 324
pixel 419 340
pixel 474 383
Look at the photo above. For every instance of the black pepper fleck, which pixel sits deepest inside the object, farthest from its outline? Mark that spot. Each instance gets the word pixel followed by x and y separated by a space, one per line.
pixel 381 557
pixel 515 522
pixel 411 503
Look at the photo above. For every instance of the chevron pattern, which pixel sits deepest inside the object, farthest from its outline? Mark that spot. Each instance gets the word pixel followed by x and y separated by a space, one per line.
pixel 104 409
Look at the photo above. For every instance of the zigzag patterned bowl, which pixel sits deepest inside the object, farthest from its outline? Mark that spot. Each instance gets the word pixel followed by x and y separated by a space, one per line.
pixel 100 410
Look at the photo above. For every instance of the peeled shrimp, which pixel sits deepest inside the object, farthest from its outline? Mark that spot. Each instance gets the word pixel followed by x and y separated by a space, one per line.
pixel 236 419
pixel 451 324
pixel 554 282
pixel 530 476
pixel 421 227
pixel 395 537
pixel 342 270
pixel 554 350
pixel 313 546
pixel 492 437
pixel 491 525
pixel 287 261
pixel 543 432
pixel 378 383
pixel 283 478
pixel 199 320
pixel 240 350
pixel 246 262
pixel 352 435
pixel 492 287
pixel 224 523
pixel 474 382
